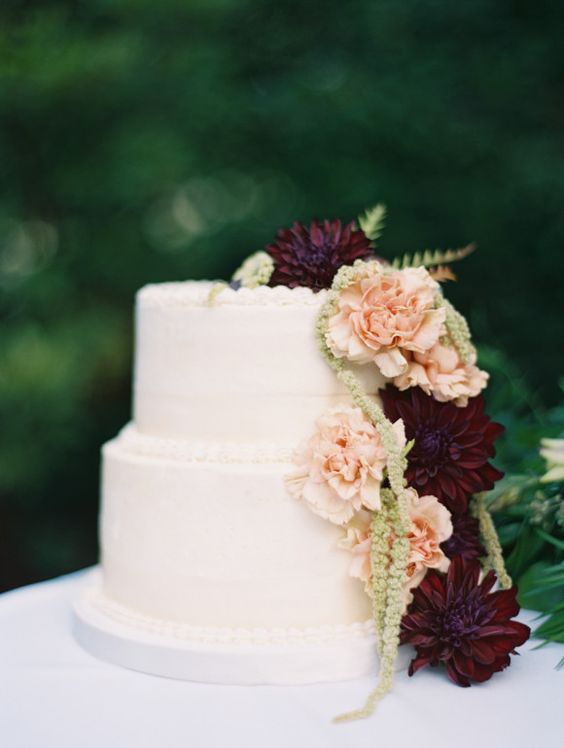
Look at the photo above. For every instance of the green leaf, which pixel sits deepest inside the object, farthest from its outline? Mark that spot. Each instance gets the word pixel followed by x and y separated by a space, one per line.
pixel 373 221
pixel 540 598
pixel 555 574
pixel 509 490
pixel 541 590
pixel 509 534
pixel 432 257
pixel 525 552
pixel 558 608
pixel 552 629
pixel 550 539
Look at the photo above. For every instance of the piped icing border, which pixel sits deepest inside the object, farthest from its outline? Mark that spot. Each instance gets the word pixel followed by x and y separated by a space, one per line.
pixel 222 635
pixel 196 294
pixel 131 441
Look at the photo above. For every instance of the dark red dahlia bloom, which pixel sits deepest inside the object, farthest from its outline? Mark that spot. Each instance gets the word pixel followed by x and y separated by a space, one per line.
pixel 456 621
pixel 465 538
pixel 452 446
pixel 310 256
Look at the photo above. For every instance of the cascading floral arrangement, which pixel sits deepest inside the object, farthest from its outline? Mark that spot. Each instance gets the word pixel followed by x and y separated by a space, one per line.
pixel 403 470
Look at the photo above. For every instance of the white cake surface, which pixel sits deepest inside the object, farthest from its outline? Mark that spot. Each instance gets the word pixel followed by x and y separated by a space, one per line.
pixel 219 544
pixel 248 369
pixel 198 531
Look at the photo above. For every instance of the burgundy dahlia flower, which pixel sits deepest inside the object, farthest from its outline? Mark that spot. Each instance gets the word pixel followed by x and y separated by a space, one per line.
pixel 452 445
pixel 310 256
pixel 465 538
pixel 455 620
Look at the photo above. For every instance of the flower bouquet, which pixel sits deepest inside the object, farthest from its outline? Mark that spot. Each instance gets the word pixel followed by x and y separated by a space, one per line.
pixel 403 469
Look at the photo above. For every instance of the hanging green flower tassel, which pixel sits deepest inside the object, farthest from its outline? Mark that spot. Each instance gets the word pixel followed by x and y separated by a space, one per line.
pixel 390 524
pixel 389 616
pixel 491 542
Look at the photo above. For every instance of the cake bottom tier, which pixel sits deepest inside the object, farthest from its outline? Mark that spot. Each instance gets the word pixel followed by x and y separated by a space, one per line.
pixel 218 543
pixel 211 572
pixel 270 656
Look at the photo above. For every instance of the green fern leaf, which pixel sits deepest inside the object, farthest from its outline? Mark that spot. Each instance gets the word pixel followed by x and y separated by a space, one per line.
pixel 433 257
pixel 373 221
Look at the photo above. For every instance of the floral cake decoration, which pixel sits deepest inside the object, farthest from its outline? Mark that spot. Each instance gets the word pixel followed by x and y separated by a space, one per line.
pixel 403 470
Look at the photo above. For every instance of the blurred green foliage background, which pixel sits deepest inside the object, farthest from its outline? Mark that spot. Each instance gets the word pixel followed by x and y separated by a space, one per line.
pixel 144 141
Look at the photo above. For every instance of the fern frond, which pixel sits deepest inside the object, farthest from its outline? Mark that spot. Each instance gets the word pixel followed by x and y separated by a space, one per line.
pixel 442 273
pixel 433 257
pixel 373 221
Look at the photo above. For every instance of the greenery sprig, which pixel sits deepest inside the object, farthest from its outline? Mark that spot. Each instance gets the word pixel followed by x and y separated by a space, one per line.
pixel 430 258
pixel 372 222
pixel 458 331
pixel 379 562
pixel 214 292
pixel 395 508
pixel 255 271
pixel 494 559
pixel 528 507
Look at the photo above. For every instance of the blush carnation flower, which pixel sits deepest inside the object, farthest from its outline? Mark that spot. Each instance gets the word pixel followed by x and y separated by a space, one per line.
pixel 384 316
pixel 430 525
pixel 358 540
pixel 340 467
pixel 441 373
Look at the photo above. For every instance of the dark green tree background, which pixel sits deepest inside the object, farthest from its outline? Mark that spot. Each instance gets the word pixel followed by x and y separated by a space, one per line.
pixel 146 141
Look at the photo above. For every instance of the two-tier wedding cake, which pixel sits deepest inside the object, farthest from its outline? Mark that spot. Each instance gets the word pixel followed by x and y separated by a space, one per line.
pixel 201 543
pixel 268 516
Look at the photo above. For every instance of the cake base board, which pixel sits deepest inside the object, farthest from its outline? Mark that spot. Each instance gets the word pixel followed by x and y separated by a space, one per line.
pixel 256 657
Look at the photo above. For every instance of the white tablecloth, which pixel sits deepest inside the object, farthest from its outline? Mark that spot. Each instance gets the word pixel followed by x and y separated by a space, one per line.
pixel 52 693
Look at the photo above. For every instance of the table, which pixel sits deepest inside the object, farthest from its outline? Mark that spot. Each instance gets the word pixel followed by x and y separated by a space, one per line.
pixel 54 694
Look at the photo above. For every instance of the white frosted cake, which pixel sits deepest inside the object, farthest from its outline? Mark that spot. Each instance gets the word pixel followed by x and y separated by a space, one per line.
pixel 202 547
pixel 302 484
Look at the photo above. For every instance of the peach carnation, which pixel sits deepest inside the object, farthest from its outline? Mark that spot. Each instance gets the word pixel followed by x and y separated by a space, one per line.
pixel 358 540
pixel 340 468
pixel 440 372
pixel 384 315
pixel 430 525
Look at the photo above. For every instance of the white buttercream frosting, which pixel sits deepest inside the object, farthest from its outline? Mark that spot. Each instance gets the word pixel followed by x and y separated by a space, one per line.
pixel 233 372
pixel 224 635
pixel 137 443
pixel 220 544
pixel 197 529
pixel 243 656
pixel 196 293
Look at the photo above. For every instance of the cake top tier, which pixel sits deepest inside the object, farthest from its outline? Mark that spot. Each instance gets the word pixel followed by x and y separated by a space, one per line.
pixel 246 369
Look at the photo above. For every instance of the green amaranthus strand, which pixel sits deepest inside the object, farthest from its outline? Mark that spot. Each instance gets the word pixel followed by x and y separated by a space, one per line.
pixel 390 524
pixel 458 331
pixel 491 541
pixel 214 292
pixel 255 271
pixel 398 526
pixel 380 562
